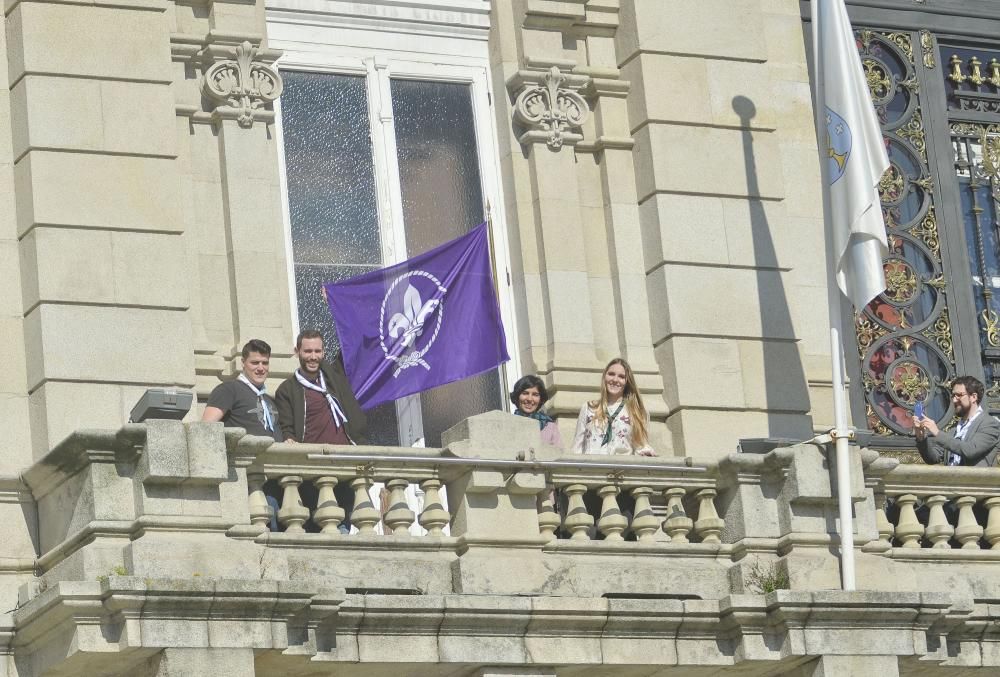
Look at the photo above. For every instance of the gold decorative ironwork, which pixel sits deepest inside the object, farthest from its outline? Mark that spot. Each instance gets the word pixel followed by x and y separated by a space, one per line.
pixel 874 423
pixel 925 182
pixel 993 391
pixel 938 282
pixel 867 332
pixel 994 73
pixel 940 333
pixel 866 38
pixel 991 326
pixel 913 131
pixel 879 82
pixel 911 84
pixel 928 232
pixel 956 75
pixel 991 151
pixel 910 382
pixel 965 129
pixel 907 343
pixel 927 45
pixel 902 40
pixel 891 185
pixel 901 282
pixel 976 77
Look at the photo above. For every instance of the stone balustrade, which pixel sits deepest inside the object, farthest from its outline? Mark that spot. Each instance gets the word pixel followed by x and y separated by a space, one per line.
pixel 936 507
pixel 672 501
pixel 121 538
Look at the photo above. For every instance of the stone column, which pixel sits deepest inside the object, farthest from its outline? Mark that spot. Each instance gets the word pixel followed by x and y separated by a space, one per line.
pixel 104 292
pixel 238 257
pixel 730 216
pixel 15 446
pixel 571 200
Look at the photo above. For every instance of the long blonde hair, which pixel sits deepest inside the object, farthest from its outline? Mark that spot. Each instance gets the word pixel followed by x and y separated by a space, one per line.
pixel 633 405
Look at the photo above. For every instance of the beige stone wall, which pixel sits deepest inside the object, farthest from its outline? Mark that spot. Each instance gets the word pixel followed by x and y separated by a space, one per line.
pixel 731 217
pixel 145 244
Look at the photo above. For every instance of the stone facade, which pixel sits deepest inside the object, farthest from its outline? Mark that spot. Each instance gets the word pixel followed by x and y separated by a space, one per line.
pixel 656 192
pixel 663 206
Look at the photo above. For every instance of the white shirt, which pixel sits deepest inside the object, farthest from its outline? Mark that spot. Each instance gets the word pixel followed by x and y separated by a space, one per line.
pixel 589 436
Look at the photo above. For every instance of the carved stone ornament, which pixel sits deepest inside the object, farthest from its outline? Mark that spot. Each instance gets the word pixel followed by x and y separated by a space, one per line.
pixel 550 111
pixel 242 84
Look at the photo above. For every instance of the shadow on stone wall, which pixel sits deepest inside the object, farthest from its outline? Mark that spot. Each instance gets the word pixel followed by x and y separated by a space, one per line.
pixel 786 390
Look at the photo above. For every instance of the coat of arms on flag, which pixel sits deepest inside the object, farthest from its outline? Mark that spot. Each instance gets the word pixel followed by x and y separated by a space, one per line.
pixel 428 321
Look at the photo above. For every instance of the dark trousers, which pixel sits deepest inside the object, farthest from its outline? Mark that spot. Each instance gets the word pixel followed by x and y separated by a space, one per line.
pixel 310 499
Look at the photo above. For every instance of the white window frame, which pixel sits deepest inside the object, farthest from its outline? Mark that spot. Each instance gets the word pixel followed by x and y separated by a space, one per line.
pixel 434 41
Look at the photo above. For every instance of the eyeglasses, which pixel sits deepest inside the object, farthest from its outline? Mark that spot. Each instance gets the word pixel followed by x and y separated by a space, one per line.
pixel 958 396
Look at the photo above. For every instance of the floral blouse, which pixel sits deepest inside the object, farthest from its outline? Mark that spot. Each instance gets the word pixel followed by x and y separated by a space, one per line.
pixel 589 435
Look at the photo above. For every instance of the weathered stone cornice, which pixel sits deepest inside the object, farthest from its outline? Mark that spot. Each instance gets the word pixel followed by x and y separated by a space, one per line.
pixel 112 615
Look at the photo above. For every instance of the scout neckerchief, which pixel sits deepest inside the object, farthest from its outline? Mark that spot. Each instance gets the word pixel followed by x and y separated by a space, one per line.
pixel 611 419
pixel 260 392
pixel 339 418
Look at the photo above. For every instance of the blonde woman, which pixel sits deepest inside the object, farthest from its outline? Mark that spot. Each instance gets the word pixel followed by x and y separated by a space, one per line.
pixel 617 422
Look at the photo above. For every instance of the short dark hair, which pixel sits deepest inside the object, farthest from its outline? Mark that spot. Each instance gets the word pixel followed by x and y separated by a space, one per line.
pixel 256 346
pixel 525 382
pixel 306 334
pixel 972 386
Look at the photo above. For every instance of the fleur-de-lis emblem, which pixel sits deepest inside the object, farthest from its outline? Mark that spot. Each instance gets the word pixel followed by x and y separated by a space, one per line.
pixel 406 326
pixel 410 322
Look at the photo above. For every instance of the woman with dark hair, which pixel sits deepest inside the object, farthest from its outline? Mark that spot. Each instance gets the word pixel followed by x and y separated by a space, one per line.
pixel 617 421
pixel 528 397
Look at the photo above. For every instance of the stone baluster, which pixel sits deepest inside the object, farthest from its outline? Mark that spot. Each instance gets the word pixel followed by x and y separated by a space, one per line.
pixel 292 514
pixel 938 531
pixel 882 523
pixel 364 516
pixel 260 511
pixel 677 525
pixel 709 525
pixel 434 517
pixel 644 523
pixel 612 522
pixel 328 513
pixel 578 521
pixel 909 530
pixel 548 518
pixel 992 532
pixel 968 532
pixel 398 517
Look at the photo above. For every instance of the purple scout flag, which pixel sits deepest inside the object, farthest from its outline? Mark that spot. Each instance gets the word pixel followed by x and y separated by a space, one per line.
pixel 428 321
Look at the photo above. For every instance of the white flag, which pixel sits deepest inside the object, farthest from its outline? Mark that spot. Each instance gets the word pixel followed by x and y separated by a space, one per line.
pixel 852 154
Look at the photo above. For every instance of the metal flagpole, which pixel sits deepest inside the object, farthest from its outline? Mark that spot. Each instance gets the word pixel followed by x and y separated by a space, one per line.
pixel 842 434
pixel 852 160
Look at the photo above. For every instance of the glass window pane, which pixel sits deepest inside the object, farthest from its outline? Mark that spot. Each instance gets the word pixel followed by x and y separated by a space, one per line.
pixel 331 201
pixel 438 163
pixel 329 168
pixel 442 199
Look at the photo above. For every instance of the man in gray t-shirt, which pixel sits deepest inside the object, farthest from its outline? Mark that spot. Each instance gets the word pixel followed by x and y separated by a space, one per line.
pixel 244 402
